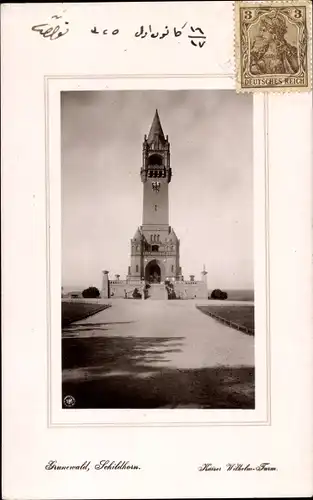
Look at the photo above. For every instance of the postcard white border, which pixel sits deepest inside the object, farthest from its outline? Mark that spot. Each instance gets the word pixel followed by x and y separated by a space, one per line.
pixel 58 417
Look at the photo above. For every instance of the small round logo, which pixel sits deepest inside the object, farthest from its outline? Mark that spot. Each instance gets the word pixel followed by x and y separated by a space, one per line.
pixel 69 401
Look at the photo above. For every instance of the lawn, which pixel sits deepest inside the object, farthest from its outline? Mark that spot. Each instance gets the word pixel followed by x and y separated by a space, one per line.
pixel 75 311
pixel 240 317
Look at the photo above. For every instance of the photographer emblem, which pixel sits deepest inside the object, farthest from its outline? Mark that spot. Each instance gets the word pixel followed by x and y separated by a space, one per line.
pixel 69 401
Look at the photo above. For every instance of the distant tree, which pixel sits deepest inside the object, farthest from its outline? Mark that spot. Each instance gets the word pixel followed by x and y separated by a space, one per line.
pixel 91 293
pixel 219 294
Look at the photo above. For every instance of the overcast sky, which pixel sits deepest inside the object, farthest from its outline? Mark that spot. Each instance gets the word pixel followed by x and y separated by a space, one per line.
pixel 211 192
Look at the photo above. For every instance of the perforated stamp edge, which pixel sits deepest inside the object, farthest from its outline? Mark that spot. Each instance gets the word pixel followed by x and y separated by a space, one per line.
pixel 237 4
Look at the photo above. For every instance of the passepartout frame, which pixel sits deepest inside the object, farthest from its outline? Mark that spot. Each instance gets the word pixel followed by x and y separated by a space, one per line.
pixel 51 421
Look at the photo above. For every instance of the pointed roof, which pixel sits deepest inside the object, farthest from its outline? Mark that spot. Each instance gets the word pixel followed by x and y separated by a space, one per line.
pixel 138 234
pixel 156 129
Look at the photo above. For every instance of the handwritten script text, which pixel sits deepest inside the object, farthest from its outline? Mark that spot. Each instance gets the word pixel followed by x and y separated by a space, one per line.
pixel 58 27
pixel 52 30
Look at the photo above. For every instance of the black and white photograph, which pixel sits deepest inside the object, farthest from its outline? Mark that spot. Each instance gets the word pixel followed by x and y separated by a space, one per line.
pixel 157 249
pixel 157 211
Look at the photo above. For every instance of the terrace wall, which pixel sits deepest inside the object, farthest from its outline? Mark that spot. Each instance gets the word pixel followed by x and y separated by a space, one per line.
pixel 183 289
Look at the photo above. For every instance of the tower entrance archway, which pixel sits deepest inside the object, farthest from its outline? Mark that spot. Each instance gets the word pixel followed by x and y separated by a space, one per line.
pixel 153 272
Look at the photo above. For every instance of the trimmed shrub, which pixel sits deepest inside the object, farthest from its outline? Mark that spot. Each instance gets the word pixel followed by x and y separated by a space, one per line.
pixel 136 294
pixel 91 293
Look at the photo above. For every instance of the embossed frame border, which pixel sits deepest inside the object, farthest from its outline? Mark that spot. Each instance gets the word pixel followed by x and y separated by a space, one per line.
pixel 263 102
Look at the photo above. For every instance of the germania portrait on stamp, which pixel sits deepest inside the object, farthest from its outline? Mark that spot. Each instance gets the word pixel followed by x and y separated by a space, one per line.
pixel 273 46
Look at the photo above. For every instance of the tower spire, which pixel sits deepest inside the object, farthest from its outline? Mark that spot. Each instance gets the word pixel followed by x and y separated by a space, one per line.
pixel 156 130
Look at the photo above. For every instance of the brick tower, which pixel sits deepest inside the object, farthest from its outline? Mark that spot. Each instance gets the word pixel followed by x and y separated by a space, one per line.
pixel 155 246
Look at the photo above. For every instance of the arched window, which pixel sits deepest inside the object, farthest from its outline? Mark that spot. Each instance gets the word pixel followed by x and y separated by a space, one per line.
pixel 155 159
pixel 155 248
pixel 172 268
pixel 151 237
pixel 137 268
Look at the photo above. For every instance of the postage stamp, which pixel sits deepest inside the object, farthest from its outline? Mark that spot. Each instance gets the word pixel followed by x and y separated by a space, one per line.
pixel 273 46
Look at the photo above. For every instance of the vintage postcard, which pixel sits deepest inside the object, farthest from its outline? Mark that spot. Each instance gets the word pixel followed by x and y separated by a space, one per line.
pixel 273 45
pixel 157 215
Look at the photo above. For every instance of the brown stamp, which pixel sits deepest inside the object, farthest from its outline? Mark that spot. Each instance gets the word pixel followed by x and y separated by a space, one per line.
pixel 273 46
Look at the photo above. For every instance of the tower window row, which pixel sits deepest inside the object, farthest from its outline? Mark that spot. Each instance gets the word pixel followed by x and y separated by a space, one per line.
pixel 155 237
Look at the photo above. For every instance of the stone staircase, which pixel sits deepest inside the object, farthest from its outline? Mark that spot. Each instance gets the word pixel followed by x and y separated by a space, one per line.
pixel 157 292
